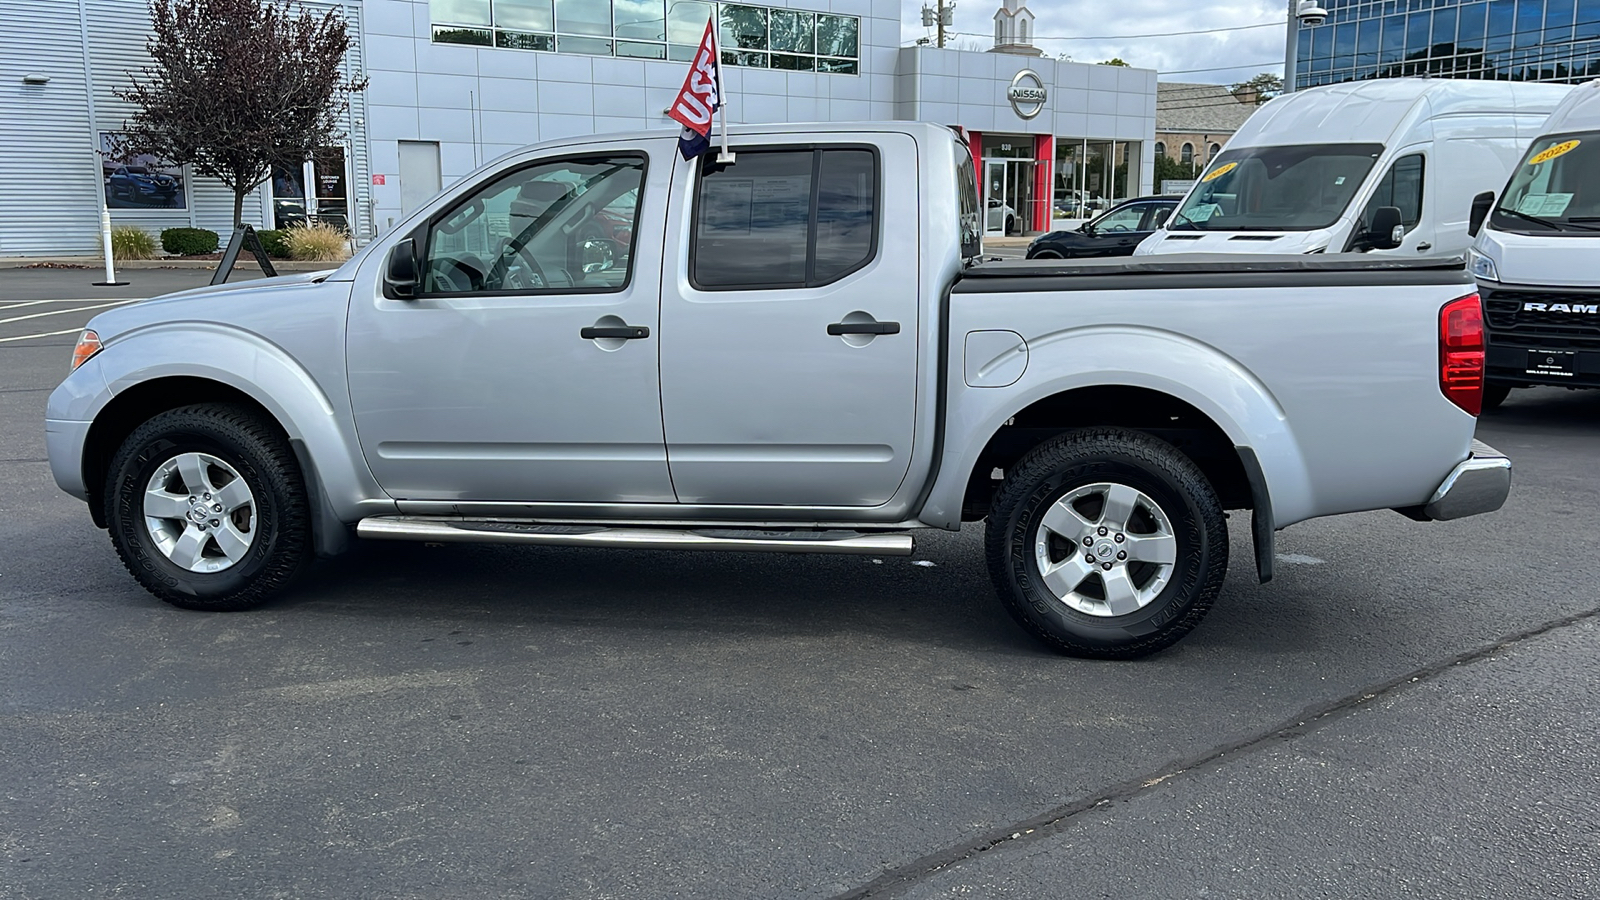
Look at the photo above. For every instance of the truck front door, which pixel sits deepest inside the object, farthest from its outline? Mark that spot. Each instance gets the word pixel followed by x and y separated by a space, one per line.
pixel 790 324
pixel 525 367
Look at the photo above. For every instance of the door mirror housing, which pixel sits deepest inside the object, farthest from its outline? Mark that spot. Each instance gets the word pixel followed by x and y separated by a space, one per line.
pixel 400 272
pixel 1388 229
pixel 1481 205
pixel 1087 228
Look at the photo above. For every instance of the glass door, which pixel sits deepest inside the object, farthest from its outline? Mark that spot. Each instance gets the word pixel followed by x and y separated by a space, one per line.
pixel 317 190
pixel 331 194
pixel 994 197
pixel 1019 196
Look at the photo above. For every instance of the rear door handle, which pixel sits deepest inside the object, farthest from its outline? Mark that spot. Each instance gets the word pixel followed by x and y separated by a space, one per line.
pixel 864 328
pixel 625 332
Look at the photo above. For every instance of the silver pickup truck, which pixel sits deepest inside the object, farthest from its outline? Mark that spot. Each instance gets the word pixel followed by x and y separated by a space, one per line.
pixel 596 343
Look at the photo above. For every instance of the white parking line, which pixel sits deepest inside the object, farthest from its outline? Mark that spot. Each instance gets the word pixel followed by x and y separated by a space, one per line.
pixel 24 337
pixel 62 312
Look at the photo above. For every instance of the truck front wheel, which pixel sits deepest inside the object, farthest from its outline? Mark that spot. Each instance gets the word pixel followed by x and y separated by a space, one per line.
pixel 207 508
pixel 1107 543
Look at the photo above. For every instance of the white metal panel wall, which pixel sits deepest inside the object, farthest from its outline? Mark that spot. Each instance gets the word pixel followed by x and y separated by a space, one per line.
pixel 117 32
pixel 48 173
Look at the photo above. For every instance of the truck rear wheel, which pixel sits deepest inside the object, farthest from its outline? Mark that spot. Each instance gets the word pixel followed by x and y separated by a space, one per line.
pixel 207 508
pixel 1107 543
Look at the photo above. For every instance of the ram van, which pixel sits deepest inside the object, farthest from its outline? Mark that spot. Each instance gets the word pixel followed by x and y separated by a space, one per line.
pixel 1386 166
pixel 1537 259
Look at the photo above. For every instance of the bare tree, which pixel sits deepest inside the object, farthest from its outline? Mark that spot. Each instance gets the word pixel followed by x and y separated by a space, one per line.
pixel 237 87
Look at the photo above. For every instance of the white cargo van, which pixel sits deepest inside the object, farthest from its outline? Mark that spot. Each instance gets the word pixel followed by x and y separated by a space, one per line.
pixel 1310 171
pixel 1537 259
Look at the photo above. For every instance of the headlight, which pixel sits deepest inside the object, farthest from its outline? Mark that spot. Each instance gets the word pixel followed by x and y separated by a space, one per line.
pixel 88 346
pixel 1482 266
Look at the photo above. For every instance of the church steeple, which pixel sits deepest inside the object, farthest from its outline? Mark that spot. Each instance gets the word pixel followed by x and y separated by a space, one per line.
pixel 1013 29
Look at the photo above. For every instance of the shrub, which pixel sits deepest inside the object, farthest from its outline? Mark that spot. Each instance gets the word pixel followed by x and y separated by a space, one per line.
pixel 274 242
pixel 131 242
pixel 317 241
pixel 189 241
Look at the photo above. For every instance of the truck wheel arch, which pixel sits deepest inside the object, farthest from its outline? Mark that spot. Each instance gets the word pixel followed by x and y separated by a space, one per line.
pixel 129 408
pixel 1137 408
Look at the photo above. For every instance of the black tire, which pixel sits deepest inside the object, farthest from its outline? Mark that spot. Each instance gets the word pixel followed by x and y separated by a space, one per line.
pixel 279 516
pixel 1494 395
pixel 1078 460
pixel 1011 225
pixel 1047 254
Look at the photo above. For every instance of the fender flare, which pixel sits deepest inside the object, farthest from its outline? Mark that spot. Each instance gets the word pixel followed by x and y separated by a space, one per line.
pixel 321 433
pixel 1217 385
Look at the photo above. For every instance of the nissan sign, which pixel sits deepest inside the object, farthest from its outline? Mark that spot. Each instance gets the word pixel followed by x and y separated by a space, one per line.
pixel 1027 94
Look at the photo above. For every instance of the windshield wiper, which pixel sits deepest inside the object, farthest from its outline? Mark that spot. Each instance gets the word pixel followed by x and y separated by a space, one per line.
pixel 1180 215
pixel 1553 226
pixel 1574 220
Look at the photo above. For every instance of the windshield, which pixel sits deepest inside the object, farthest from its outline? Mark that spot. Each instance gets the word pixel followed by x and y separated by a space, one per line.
pixel 1557 188
pixel 1298 188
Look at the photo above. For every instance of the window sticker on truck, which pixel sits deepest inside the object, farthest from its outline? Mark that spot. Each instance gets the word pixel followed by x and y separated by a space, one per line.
pixel 1553 152
pixel 1220 171
pixel 1546 205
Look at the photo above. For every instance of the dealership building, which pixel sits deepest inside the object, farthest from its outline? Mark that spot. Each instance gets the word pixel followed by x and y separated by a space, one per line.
pixel 454 84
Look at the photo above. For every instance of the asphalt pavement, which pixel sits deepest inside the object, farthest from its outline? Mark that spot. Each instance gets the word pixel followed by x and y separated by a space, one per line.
pixel 1406 710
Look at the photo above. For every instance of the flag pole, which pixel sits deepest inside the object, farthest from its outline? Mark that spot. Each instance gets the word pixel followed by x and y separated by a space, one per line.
pixel 725 156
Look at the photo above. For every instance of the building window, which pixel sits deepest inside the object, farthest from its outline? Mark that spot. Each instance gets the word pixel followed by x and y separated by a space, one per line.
pixel 1161 148
pixel 1212 152
pixel 1186 156
pixel 1022 31
pixel 754 36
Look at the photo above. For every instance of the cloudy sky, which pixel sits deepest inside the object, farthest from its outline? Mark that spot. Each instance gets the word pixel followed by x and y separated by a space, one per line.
pixel 1249 51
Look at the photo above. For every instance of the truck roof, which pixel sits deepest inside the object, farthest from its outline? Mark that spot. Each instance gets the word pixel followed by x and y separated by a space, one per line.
pixel 735 131
pixel 1579 112
pixel 1373 112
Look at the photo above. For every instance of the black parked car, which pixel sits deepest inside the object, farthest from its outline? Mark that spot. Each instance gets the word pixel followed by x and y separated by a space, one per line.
pixel 1115 233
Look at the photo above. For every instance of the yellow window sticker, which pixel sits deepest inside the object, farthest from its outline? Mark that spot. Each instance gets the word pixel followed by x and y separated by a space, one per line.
pixel 1224 169
pixel 1553 152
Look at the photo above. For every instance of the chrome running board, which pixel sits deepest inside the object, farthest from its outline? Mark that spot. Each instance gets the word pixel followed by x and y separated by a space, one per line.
pixel 504 531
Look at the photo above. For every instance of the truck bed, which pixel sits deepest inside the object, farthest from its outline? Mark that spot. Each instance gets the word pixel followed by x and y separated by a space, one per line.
pixel 1209 270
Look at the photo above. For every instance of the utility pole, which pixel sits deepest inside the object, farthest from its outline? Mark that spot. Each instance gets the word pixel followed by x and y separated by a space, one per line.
pixel 943 15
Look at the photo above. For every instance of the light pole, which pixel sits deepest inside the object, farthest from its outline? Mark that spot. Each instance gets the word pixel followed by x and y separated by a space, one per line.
pixel 1301 12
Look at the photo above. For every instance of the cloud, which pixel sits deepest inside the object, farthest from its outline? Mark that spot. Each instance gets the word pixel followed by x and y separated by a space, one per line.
pixel 1243 53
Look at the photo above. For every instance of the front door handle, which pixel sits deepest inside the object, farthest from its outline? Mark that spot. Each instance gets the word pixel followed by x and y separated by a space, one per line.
pixel 864 328
pixel 1424 247
pixel 624 332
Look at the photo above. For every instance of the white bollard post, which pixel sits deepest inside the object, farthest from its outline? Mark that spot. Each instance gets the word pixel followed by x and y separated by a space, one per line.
pixel 105 242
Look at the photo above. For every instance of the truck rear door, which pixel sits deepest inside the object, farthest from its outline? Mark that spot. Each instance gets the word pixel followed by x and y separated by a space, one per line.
pixel 789 323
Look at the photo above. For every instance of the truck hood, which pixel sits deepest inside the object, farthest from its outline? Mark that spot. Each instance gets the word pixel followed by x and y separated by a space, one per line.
pixel 1235 242
pixel 213 303
pixel 1559 261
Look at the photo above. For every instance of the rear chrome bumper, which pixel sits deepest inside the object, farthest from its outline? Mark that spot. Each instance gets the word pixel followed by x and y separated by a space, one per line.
pixel 1478 484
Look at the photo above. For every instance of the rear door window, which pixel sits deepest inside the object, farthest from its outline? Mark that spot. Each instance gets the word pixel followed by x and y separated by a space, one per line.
pixel 785 218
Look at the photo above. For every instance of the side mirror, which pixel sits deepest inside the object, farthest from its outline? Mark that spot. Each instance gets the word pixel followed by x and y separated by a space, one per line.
pixel 1086 228
pixel 1481 205
pixel 1388 230
pixel 400 274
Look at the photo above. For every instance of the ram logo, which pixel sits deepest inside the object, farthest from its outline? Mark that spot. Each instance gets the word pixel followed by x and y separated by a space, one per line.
pixel 1590 308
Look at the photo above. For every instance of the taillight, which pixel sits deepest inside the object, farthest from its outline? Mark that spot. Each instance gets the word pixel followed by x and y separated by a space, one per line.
pixel 1461 353
pixel 88 345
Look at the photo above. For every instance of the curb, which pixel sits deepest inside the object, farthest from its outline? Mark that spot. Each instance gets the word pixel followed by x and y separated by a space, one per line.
pixel 96 262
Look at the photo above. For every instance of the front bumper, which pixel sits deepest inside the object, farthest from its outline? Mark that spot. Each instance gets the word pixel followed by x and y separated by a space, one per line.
pixel 63 441
pixel 1478 484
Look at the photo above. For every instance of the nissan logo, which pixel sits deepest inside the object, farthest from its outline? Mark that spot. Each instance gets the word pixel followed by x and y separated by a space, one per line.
pixel 1027 94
